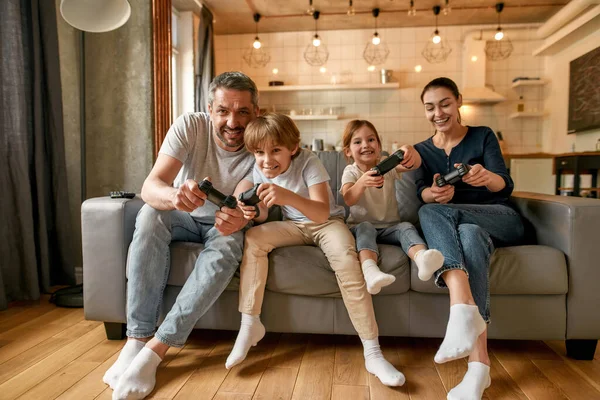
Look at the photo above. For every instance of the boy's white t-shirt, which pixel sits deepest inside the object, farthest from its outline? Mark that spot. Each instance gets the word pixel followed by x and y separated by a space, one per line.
pixel 190 140
pixel 304 171
pixel 378 206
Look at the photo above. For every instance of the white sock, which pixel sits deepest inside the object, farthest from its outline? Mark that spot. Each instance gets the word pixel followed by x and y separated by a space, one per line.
pixel 428 261
pixel 464 327
pixel 139 378
pixel 251 332
pixel 377 365
pixel 476 380
pixel 128 352
pixel 374 278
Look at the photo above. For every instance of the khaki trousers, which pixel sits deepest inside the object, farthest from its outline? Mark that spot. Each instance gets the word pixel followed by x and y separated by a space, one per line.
pixel 334 239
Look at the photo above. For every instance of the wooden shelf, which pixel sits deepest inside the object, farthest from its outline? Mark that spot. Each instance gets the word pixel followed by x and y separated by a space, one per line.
pixel 314 117
pixel 341 86
pixel 588 189
pixel 530 82
pixel 526 114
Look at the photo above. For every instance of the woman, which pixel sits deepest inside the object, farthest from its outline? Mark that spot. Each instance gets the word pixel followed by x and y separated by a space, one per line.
pixel 464 222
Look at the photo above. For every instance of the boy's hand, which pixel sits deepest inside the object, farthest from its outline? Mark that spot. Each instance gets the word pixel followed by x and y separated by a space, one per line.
pixel 271 195
pixel 477 176
pixel 442 194
pixel 370 179
pixel 229 220
pixel 409 156
pixel 188 196
pixel 248 211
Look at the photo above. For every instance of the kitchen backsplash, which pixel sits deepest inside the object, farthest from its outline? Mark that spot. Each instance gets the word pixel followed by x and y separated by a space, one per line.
pixel 397 114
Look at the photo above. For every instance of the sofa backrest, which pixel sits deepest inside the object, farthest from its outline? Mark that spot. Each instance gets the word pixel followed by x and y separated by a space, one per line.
pixel 406 191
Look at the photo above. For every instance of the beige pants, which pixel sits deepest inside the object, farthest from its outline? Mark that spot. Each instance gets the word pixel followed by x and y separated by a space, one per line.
pixel 336 241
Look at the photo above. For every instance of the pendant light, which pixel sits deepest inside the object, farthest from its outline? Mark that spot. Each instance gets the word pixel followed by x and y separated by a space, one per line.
pixel 501 47
pixel 447 9
pixel 376 52
pixel 351 10
pixel 437 49
pixel 257 56
pixel 310 10
pixel 412 11
pixel 316 52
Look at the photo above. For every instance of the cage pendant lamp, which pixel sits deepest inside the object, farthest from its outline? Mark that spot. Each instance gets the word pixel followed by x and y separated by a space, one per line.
pixel 437 49
pixel 257 56
pixel 376 52
pixel 316 53
pixel 501 47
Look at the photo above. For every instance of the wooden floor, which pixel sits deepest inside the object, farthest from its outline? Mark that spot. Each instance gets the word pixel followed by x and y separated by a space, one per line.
pixel 53 353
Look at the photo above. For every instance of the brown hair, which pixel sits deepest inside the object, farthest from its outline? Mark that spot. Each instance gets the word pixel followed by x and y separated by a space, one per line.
pixel 351 128
pixel 446 83
pixel 277 129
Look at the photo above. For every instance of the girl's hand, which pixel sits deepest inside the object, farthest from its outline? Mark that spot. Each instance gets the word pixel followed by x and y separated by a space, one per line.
pixel 442 194
pixel 370 179
pixel 409 156
pixel 477 176
pixel 249 211
pixel 271 194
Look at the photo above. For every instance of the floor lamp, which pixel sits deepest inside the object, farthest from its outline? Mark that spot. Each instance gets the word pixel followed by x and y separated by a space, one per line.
pixel 87 16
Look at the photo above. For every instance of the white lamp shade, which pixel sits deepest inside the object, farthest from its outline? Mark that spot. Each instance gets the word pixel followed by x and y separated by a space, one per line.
pixel 95 15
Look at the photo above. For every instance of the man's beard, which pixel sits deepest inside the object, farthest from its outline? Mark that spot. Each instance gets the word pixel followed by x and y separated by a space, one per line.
pixel 237 144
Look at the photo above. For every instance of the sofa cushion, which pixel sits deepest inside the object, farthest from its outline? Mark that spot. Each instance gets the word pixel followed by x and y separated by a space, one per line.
pixel 301 270
pixel 517 270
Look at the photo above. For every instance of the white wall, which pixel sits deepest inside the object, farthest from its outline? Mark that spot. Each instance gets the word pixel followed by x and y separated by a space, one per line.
pixel 397 114
pixel 556 139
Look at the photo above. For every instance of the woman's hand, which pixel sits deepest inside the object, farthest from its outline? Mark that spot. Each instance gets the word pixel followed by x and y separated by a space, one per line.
pixel 442 194
pixel 370 179
pixel 478 176
pixel 410 156
pixel 272 195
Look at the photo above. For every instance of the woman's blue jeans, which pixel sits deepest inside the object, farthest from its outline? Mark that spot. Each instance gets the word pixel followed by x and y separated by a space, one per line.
pixel 403 234
pixel 148 271
pixel 466 235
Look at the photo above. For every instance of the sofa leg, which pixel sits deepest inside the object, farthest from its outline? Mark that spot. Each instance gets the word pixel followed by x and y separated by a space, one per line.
pixel 114 330
pixel 581 349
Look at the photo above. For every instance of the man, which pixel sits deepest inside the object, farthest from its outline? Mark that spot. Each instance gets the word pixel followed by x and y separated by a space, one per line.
pixel 198 145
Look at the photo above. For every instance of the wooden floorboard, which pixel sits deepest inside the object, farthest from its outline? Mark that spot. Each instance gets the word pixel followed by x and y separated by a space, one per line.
pixel 49 353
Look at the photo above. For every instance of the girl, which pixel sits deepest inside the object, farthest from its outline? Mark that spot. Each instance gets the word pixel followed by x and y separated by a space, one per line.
pixel 297 181
pixel 374 216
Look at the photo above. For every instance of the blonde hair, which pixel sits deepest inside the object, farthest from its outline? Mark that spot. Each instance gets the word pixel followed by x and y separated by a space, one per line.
pixel 351 128
pixel 277 129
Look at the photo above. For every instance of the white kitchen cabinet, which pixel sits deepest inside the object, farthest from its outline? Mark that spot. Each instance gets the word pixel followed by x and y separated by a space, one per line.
pixel 532 175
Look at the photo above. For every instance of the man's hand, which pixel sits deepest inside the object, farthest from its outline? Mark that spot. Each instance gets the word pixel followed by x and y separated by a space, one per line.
pixel 442 194
pixel 188 197
pixel 477 176
pixel 229 220
pixel 409 156
pixel 271 195
pixel 370 179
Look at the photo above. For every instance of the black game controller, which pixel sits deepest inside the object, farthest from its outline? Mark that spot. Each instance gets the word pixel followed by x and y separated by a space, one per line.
pixel 454 176
pixel 216 197
pixel 388 164
pixel 250 198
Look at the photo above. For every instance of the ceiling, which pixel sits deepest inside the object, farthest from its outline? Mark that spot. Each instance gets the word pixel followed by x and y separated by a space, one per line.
pixel 235 16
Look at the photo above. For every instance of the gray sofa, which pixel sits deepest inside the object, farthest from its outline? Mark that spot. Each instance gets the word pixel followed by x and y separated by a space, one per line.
pixel 547 290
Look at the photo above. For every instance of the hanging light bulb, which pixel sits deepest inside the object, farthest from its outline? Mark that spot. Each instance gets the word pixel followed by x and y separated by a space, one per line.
pixel 499 34
pixel 316 40
pixel 257 56
pixel 375 52
pixel 376 39
pixel 437 50
pixel 436 37
pixel 412 11
pixel 351 10
pixel 310 10
pixel 447 10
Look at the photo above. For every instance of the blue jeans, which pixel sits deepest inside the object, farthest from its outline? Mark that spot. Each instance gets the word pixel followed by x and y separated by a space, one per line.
pixel 403 234
pixel 149 265
pixel 466 235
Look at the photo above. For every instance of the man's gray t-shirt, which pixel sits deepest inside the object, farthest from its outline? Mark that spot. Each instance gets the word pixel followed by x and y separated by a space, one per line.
pixel 190 141
pixel 305 170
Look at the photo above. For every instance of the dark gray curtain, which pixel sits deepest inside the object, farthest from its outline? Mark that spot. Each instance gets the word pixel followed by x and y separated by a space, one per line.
pixel 35 252
pixel 205 60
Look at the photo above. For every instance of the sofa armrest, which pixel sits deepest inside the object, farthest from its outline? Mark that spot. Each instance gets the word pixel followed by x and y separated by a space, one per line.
pixel 106 231
pixel 571 225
